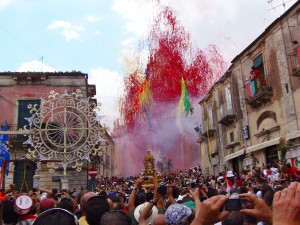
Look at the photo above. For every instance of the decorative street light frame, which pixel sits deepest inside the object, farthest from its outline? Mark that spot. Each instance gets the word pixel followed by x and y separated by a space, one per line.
pixel 64 128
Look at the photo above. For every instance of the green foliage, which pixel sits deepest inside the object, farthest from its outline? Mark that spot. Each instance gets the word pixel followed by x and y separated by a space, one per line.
pixel 283 150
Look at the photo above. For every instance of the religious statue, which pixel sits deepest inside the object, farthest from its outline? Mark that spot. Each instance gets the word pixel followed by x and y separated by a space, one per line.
pixel 149 164
pixel 149 169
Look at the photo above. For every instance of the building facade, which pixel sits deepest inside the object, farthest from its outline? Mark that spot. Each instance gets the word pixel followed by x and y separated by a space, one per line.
pixel 17 92
pixel 254 110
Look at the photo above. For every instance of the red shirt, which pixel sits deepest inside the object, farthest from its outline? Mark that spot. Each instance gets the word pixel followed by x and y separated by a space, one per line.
pixel 292 172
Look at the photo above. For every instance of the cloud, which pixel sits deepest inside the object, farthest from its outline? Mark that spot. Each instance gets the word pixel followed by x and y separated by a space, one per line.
pixel 5 3
pixel 208 22
pixel 71 35
pixel 136 13
pixel 129 42
pixel 69 31
pixel 35 66
pixel 92 18
pixel 110 87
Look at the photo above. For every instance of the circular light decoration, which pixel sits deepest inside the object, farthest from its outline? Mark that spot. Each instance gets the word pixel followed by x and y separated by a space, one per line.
pixel 64 129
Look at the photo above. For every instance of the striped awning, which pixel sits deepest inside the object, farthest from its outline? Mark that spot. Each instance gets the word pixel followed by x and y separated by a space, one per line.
pixel 234 155
pixel 265 144
pixel 292 135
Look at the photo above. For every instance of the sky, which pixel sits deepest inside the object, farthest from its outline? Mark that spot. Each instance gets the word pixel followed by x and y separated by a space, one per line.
pixel 95 36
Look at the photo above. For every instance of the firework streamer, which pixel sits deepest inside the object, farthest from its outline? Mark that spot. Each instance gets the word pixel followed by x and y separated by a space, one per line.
pixel 145 98
pixel 172 55
pixel 144 95
pixel 184 106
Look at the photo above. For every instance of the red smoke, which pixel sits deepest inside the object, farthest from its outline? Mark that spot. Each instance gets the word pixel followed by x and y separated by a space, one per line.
pixel 172 56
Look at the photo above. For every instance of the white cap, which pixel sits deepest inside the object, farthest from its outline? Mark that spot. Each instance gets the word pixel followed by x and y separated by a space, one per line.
pixel 229 174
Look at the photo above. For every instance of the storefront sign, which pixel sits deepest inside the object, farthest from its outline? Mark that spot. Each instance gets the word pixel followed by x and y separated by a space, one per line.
pixel 56 178
pixel 246 134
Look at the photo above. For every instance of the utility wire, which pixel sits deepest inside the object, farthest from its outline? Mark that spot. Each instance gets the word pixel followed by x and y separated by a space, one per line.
pixel 21 42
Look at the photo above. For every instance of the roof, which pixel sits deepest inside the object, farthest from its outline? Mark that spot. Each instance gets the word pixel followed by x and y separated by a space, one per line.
pixel 273 24
pixel 267 30
pixel 71 73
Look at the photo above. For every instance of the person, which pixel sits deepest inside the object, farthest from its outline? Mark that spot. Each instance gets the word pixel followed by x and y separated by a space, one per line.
pixel 295 50
pixel 115 217
pixel 256 79
pixel 132 202
pixel 291 172
pixel 145 213
pixel 229 181
pixel 259 210
pixel 150 210
pixel 83 200
pixel 208 212
pixel 234 218
pixel 47 203
pixel 26 217
pixel 66 203
pixel 159 220
pixel 96 206
pixel 178 214
pixel 295 46
pixel 10 217
pixel 286 210
pixel 56 216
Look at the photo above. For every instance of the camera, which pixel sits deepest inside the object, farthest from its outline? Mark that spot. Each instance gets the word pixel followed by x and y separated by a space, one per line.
pixel 162 189
pixel 193 185
pixel 235 204
pixel 59 195
pixel 203 198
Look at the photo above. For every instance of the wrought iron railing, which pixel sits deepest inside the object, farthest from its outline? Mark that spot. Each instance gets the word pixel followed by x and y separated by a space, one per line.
pixel 225 110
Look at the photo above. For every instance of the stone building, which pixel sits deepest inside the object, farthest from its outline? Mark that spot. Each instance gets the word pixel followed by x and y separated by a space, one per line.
pixel 17 91
pixel 251 115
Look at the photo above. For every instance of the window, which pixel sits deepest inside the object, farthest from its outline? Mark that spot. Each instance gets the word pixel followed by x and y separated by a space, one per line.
pixel 258 63
pixel 231 136
pixel 228 100
pixel 210 118
pixel 272 155
pixel 24 112
pixel 24 171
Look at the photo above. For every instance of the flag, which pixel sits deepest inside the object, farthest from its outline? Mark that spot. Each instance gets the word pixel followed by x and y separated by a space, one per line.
pixel 184 102
pixel 4 153
pixel 144 94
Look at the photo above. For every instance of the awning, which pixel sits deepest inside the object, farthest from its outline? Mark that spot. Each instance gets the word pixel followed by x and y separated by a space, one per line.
pixel 234 155
pixel 265 144
pixel 292 135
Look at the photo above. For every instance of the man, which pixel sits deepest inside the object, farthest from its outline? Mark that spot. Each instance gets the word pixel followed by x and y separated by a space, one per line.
pixel 178 214
pixel 292 172
pixel 95 208
pixel 159 220
pixel 83 201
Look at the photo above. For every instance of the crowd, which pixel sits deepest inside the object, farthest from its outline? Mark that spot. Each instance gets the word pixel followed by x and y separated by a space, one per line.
pixel 269 195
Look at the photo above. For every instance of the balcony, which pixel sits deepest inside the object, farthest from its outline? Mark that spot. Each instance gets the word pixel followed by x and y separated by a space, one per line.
pixel 261 97
pixel 208 128
pixel 201 138
pixel 232 144
pixel 227 114
pixel 296 72
pixel 15 140
pixel 91 89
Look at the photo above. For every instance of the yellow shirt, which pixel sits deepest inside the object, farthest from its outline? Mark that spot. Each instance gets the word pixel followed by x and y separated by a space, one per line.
pixel 82 221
